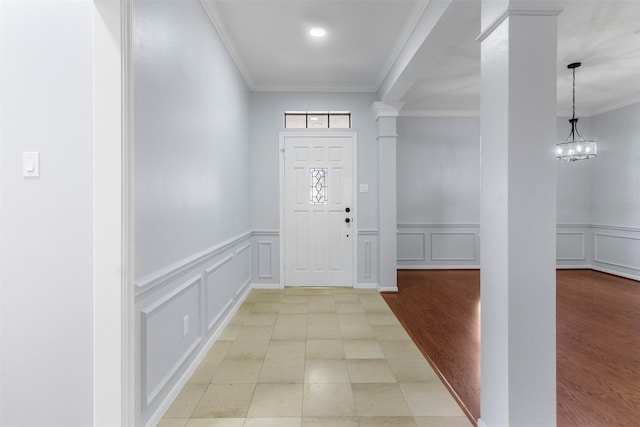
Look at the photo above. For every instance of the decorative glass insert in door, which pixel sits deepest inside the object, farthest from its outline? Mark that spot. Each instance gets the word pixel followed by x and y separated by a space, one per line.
pixel 318 187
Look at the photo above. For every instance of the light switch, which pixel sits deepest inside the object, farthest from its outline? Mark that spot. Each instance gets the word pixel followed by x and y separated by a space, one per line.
pixel 364 188
pixel 31 164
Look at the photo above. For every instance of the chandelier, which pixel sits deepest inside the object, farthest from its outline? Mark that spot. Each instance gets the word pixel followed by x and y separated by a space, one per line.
pixel 575 147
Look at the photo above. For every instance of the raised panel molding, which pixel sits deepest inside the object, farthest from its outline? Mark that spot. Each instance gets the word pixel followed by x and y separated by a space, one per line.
pixel 411 246
pixel 618 251
pixel 571 246
pixel 265 255
pixel 367 259
pixel 219 273
pixel 187 295
pixel 176 269
pixel 445 244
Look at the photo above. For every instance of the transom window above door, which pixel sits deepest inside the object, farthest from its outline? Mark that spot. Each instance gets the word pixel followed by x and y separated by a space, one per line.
pixel 317 120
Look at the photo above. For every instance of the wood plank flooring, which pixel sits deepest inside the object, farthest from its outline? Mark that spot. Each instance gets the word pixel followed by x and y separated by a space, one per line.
pixel 598 340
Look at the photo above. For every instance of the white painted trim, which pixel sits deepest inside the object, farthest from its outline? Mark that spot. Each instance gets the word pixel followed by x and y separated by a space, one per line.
pixel 615 227
pixel 179 267
pixel 573 225
pixel 366 286
pixel 616 273
pixel 266 286
pixel 438 267
pixel 481 423
pixel 332 133
pixel 386 109
pixel 584 245
pixel 265 233
pixel 614 106
pixel 454 233
pixel 387 289
pixel 424 244
pixel 574 267
pixel 444 225
pixel 367 232
pixel 148 396
pixel 513 11
pixel 269 244
pixel 113 324
pixel 439 113
pixel 212 11
pixel 367 259
pixel 157 415
pixel 595 251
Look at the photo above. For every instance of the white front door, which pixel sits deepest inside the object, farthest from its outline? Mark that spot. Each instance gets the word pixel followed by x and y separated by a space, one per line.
pixel 319 229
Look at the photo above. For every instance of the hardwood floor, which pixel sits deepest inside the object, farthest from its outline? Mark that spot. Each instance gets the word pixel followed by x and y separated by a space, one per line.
pixel 598 340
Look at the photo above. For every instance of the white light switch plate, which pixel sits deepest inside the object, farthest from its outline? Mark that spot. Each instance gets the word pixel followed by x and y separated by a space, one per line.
pixel 31 164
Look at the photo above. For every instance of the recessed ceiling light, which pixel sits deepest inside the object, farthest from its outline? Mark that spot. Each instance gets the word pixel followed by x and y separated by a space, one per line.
pixel 318 32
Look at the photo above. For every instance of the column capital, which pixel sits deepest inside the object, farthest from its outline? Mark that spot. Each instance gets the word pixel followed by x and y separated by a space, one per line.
pixel 386 109
pixel 494 13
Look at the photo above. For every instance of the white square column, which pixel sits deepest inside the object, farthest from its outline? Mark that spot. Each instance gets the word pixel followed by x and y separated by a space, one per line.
pixel 518 214
pixel 386 116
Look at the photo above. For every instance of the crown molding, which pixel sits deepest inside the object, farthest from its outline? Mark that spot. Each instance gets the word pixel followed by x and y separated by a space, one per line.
pixel 386 109
pixel 215 16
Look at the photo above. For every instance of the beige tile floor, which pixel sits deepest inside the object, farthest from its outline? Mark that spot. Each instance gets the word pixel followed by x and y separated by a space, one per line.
pixel 303 357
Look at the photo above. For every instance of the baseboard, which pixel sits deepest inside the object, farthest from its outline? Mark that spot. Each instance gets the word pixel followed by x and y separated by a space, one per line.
pixel 481 423
pixel 438 267
pixel 157 415
pixel 266 286
pixel 616 273
pixel 574 267
pixel 387 289
pixel 365 286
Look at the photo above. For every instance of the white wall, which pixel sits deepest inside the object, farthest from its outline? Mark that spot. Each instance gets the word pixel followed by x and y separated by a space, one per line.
pixel 46 235
pixel 192 195
pixel 267 117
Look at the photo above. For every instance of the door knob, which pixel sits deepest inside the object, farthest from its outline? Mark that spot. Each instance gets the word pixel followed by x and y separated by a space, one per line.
pixel 347 220
pixel 347 210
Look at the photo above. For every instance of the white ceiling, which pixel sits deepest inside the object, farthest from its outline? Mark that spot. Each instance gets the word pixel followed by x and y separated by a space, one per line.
pixel 270 42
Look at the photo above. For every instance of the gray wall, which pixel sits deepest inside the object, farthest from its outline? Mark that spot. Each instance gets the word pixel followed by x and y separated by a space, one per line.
pixel 192 197
pixel 438 192
pixel 191 136
pixel 615 192
pixel 267 115
pixel 598 202
pixel 45 227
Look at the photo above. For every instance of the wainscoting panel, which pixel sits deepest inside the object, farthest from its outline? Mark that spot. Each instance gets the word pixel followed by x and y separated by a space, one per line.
pixel 367 258
pixel 411 246
pixel 571 246
pixel 574 247
pixel 438 246
pixel 266 257
pixel 178 310
pixel 458 246
pixel 617 250
pixel 170 334
pixel 218 291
